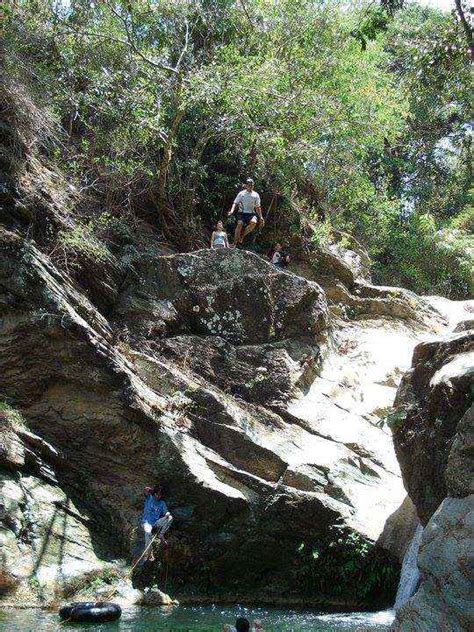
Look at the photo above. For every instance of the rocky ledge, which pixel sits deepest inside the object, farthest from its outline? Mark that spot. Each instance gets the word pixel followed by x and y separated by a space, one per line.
pixel 433 429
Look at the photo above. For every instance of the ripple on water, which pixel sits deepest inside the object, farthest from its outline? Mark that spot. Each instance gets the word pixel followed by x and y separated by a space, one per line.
pixel 202 619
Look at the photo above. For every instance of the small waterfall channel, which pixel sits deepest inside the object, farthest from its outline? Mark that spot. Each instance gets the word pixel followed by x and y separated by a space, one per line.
pixel 410 575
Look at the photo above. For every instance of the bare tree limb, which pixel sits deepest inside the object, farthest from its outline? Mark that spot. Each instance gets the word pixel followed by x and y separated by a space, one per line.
pixel 244 7
pixel 101 36
pixel 185 48
pixel 466 26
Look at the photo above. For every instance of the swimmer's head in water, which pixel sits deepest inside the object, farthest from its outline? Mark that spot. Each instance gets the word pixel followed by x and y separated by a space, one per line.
pixel 242 624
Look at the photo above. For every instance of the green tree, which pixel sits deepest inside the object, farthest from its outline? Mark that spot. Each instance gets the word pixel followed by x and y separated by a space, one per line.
pixel 352 114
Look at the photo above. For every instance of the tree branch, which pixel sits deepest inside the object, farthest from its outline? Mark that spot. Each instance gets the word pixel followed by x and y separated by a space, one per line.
pixel 244 7
pixel 130 42
pixel 185 48
pixel 466 26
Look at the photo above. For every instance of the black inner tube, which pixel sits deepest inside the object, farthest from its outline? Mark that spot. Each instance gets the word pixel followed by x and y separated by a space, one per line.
pixel 65 611
pixel 91 611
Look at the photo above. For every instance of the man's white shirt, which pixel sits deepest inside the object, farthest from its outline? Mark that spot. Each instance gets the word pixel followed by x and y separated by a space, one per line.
pixel 248 201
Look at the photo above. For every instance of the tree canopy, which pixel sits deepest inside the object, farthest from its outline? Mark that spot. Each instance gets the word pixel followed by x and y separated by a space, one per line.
pixel 351 116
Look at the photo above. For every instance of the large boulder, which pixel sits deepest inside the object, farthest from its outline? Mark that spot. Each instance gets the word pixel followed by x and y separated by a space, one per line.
pixel 399 529
pixel 227 293
pixel 433 428
pixel 444 599
pixel 430 403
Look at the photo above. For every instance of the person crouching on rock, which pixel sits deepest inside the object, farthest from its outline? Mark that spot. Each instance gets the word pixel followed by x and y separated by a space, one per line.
pixel 156 518
pixel 219 237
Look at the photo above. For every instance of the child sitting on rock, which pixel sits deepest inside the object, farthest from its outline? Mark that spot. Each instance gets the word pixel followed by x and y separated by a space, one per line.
pixel 279 257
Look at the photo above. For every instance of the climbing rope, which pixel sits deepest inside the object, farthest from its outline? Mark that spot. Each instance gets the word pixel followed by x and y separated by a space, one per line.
pixel 145 551
pixel 166 573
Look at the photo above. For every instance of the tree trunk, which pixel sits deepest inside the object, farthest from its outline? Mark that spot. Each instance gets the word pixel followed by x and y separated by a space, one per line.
pixel 466 26
pixel 163 206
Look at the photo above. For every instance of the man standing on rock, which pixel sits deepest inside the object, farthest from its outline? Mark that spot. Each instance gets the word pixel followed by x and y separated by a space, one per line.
pixel 249 212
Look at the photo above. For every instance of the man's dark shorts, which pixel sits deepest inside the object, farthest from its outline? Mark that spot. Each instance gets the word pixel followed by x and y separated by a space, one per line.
pixel 245 218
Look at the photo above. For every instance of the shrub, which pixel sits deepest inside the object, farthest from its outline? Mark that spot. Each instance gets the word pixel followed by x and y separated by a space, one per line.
pixel 8 582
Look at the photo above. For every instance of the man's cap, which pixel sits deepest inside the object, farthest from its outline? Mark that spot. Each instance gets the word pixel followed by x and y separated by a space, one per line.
pixel 249 181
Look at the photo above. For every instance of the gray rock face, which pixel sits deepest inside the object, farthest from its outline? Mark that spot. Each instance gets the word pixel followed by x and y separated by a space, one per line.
pixel 344 274
pixel 430 403
pixel 43 534
pixel 444 600
pixel 459 475
pixel 229 294
pixel 433 436
pixel 400 529
pixel 191 387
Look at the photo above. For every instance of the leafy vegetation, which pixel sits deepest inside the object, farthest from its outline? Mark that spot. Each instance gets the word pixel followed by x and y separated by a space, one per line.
pixel 90 582
pixel 350 116
pixel 363 571
pixel 9 415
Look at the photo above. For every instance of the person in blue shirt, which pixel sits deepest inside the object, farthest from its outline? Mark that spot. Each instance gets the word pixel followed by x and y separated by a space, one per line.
pixel 156 517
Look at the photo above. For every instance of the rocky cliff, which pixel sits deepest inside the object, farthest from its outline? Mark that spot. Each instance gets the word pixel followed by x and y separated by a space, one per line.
pixel 433 427
pixel 188 385
pixel 222 376
pixel 256 395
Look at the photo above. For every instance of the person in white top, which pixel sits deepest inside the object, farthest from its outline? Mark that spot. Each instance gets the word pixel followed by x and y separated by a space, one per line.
pixel 276 257
pixel 219 237
pixel 249 212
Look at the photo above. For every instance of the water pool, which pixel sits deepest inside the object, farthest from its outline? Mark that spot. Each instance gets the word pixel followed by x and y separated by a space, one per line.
pixel 201 619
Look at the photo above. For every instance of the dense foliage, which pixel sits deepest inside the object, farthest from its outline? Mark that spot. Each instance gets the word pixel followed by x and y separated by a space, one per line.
pixel 363 570
pixel 349 117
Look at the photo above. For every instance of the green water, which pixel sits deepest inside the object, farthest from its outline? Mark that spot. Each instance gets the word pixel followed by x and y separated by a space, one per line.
pixel 200 619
